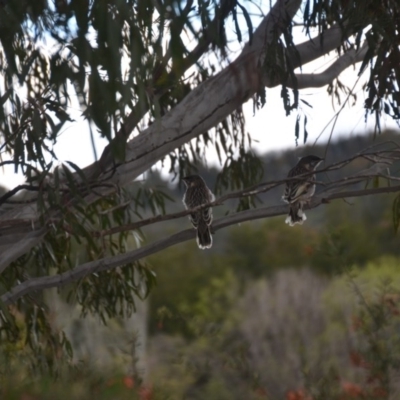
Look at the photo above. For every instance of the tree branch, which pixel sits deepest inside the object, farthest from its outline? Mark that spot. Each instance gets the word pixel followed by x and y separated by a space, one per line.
pixel 20 247
pixel 142 107
pixel 349 58
pixel 381 160
pixel 37 284
pixel 209 103
pixel 327 41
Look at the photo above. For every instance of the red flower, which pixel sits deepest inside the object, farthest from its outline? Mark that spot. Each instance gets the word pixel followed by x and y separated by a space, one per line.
pixel 392 302
pixel 145 393
pixel 358 360
pixel 261 392
pixel 309 250
pixel 352 390
pixel 128 382
pixel 298 394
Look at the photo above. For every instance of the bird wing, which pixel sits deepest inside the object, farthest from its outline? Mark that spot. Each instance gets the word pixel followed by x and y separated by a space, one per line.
pixel 297 190
pixel 207 215
pixel 193 198
pixel 207 212
pixel 195 218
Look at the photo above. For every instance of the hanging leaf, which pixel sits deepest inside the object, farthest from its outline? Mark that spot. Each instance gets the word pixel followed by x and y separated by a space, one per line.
pixel 305 130
pixel 306 103
pixel 297 129
pixel 237 29
pixel 248 22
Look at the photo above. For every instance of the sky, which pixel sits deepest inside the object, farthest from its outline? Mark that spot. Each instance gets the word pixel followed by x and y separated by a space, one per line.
pixel 269 127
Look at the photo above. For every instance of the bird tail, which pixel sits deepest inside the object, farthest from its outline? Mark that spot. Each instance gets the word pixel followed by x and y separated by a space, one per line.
pixel 204 238
pixel 296 214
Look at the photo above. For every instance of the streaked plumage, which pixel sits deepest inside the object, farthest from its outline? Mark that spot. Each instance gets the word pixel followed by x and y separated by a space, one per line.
pixel 299 192
pixel 197 193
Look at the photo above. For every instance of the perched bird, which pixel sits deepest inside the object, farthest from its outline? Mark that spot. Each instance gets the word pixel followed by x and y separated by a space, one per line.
pixel 197 193
pixel 299 192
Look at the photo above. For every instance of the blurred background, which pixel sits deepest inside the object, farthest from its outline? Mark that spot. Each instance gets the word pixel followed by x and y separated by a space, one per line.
pixel 271 311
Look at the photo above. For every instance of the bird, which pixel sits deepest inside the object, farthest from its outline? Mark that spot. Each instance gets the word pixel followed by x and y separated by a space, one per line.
pixel 299 192
pixel 197 193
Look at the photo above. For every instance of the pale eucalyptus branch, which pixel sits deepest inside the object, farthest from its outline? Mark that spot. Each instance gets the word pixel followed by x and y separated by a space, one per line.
pixel 344 61
pixel 325 42
pixel 20 247
pixel 142 106
pixel 107 263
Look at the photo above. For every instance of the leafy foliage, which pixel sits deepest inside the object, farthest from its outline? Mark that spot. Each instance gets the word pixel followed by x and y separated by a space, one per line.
pixel 125 64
